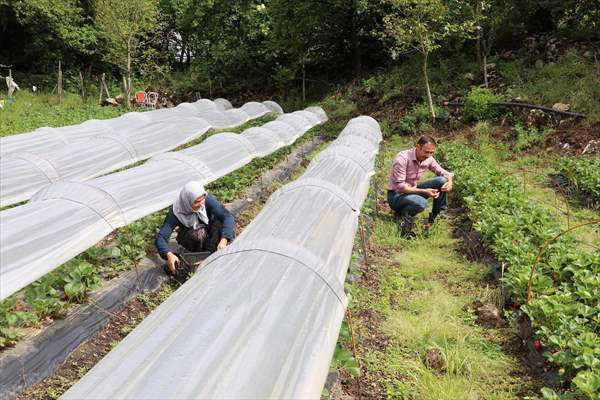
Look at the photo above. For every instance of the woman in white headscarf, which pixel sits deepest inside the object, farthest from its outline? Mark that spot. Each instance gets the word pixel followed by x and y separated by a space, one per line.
pixel 204 224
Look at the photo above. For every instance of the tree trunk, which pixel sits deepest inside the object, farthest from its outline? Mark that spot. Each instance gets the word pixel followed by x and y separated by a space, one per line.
pixel 59 83
pixel 9 83
pixel 128 92
pixel 100 89
pixel 355 40
pixel 485 74
pixel 104 85
pixel 303 82
pixel 478 37
pixel 429 99
pixel 81 87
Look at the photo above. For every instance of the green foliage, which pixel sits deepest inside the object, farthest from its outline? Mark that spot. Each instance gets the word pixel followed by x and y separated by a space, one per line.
pixel 79 281
pixel 29 111
pixel 127 30
pixel 527 137
pixel 572 79
pixel 478 105
pixel 582 176
pixel 342 357
pixel 565 306
pixel 417 120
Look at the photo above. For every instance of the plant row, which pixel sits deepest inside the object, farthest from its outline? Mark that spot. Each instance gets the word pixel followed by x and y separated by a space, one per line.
pixel 582 177
pixel 565 306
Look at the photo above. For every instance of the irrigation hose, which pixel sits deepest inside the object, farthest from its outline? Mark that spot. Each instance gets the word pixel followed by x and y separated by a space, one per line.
pixel 521 105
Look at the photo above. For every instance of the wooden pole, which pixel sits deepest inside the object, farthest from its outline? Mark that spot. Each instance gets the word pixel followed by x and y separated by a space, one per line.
pixel 59 83
pixel 82 86
pixel 9 84
pixel 100 89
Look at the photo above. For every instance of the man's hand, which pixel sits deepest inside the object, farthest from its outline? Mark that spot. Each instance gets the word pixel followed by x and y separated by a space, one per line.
pixel 172 261
pixel 447 187
pixel 222 244
pixel 431 193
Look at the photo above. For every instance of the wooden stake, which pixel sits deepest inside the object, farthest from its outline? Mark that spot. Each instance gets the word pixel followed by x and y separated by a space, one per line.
pixel 82 86
pixel 9 84
pixel 100 90
pixel 59 83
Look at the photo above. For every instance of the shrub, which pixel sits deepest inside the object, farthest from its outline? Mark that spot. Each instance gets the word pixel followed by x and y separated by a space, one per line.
pixel 478 105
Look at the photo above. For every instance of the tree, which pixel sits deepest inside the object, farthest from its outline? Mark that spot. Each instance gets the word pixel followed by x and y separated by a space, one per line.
pixel 125 26
pixel 422 25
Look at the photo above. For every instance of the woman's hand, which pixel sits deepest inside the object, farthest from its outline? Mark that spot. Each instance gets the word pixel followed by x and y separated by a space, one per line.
pixel 222 244
pixel 172 261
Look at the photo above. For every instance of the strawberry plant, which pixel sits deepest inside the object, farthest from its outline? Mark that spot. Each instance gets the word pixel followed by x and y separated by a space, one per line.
pixel 582 177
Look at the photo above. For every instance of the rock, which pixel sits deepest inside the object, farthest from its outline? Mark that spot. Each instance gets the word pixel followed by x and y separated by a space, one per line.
pixel 539 63
pixel 119 99
pixel 434 359
pixel 561 107
pixel 489 316
pixel 472 306
pixel 538 118
pixel 109 101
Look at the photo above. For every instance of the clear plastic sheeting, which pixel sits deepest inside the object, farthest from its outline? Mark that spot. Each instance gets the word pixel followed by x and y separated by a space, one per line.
pixel 65 218
pixel 43 139
pixel 261 318
pixel 123 142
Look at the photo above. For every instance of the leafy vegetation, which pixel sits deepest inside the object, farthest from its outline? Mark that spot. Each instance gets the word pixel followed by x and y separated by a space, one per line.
pixel 582 176
pixel 563 310
pixel 478 105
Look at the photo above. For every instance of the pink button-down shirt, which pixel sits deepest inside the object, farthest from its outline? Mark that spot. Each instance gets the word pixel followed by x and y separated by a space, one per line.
pixel 406 170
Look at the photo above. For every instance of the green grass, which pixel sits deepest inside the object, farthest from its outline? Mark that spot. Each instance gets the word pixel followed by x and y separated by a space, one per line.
pixel 28 111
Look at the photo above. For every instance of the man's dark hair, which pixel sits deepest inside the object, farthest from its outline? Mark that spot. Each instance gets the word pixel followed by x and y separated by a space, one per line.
pixel 426 139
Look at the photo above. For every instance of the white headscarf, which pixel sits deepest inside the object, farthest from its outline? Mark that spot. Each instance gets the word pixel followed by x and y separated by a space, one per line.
pixel 183 205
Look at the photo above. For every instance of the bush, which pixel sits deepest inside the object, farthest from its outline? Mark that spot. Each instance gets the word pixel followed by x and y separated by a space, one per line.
pixel 417 120
pixel 478 105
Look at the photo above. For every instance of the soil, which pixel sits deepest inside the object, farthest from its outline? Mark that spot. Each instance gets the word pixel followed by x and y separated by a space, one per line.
pixel 571 139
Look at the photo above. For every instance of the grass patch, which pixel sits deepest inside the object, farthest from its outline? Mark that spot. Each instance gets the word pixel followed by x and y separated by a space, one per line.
pixel 31 110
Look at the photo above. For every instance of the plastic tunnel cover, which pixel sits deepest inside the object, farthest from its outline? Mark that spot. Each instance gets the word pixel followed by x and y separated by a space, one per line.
pixel 190 162
pixel 111 201
pixel 230 136
pixel 251 323
pixel 40 163
pixel 349 153
pixel 88 195
pixel 319 183
pixel 224 104
pixel 362 130
pixel 285 248
pixel 274 107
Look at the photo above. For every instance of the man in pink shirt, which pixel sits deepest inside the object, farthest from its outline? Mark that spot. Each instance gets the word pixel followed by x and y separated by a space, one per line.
pixel 407 197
